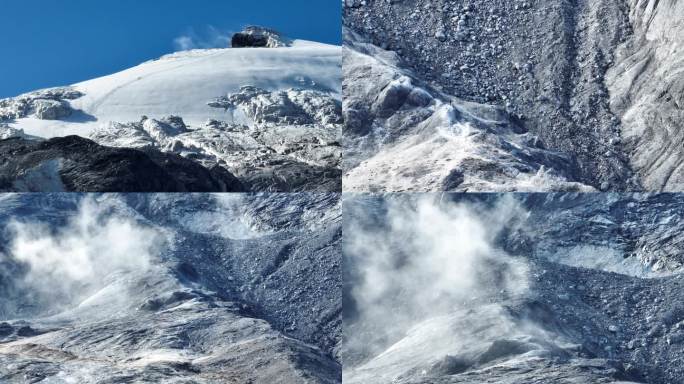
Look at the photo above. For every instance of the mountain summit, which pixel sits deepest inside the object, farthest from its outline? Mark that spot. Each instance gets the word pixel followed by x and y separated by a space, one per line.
pixel 255 36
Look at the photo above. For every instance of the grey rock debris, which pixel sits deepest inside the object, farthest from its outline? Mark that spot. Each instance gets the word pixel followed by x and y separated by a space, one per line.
pixel 596 81
pixel 252 299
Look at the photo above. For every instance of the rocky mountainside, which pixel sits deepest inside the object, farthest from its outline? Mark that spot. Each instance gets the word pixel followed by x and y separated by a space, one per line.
pixel 535 288
pixel 275 124
pixel 402 134
pixel 596 82
pixel 205 289
pixel 77 164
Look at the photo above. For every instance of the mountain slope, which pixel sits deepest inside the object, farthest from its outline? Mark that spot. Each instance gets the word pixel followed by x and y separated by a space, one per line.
pixel 596 82
pixel 205 289
pixel 270 116
pixel 533 288
pixel 403 134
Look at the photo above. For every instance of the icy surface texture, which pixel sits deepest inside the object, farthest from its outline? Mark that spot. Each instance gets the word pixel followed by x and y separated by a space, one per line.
pixel 646 87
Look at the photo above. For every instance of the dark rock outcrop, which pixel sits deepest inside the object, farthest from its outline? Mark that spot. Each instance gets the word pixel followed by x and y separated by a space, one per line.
pixel 258 37
pixel 601 301
pixel 77 164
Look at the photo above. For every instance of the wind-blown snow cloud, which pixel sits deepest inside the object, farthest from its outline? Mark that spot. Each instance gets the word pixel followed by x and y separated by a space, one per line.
pixel 211 38
pixel 426 259
pixel 66 263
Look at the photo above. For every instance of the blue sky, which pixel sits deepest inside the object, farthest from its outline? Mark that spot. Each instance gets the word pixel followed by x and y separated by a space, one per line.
pixel 46 43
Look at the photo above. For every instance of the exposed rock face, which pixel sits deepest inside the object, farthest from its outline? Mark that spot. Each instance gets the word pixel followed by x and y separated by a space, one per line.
pixel 597 81
pixel 401 133
pixel 76 164
pixel 646 85
pixel 601 298
pixel 292 143
pixel 258 37
pixel 241 289
pixel 47 104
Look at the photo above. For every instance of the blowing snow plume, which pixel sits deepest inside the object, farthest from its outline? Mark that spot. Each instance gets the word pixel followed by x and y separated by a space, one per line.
pixel 159 290
pixel 61 265
pixel 423 265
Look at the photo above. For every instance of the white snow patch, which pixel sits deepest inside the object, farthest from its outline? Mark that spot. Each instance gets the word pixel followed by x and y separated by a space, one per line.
pixel 599 257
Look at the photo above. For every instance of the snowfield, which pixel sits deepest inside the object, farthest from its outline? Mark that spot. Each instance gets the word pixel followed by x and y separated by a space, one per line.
pixel 183 83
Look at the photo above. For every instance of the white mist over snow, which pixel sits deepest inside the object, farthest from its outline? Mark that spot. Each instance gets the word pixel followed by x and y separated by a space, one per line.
pixel 425 278
pixel 69 262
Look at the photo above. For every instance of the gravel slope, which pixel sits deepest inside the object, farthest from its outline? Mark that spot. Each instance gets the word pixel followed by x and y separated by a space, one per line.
pixel 599 82
pixel 204 289
pixel 528 288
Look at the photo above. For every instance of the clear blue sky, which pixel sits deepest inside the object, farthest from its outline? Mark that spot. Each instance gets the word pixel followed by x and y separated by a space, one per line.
pixel 46 43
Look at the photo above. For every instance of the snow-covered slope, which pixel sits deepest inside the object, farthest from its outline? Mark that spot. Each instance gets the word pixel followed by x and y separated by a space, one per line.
pixel 270 116
pixel 183 83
